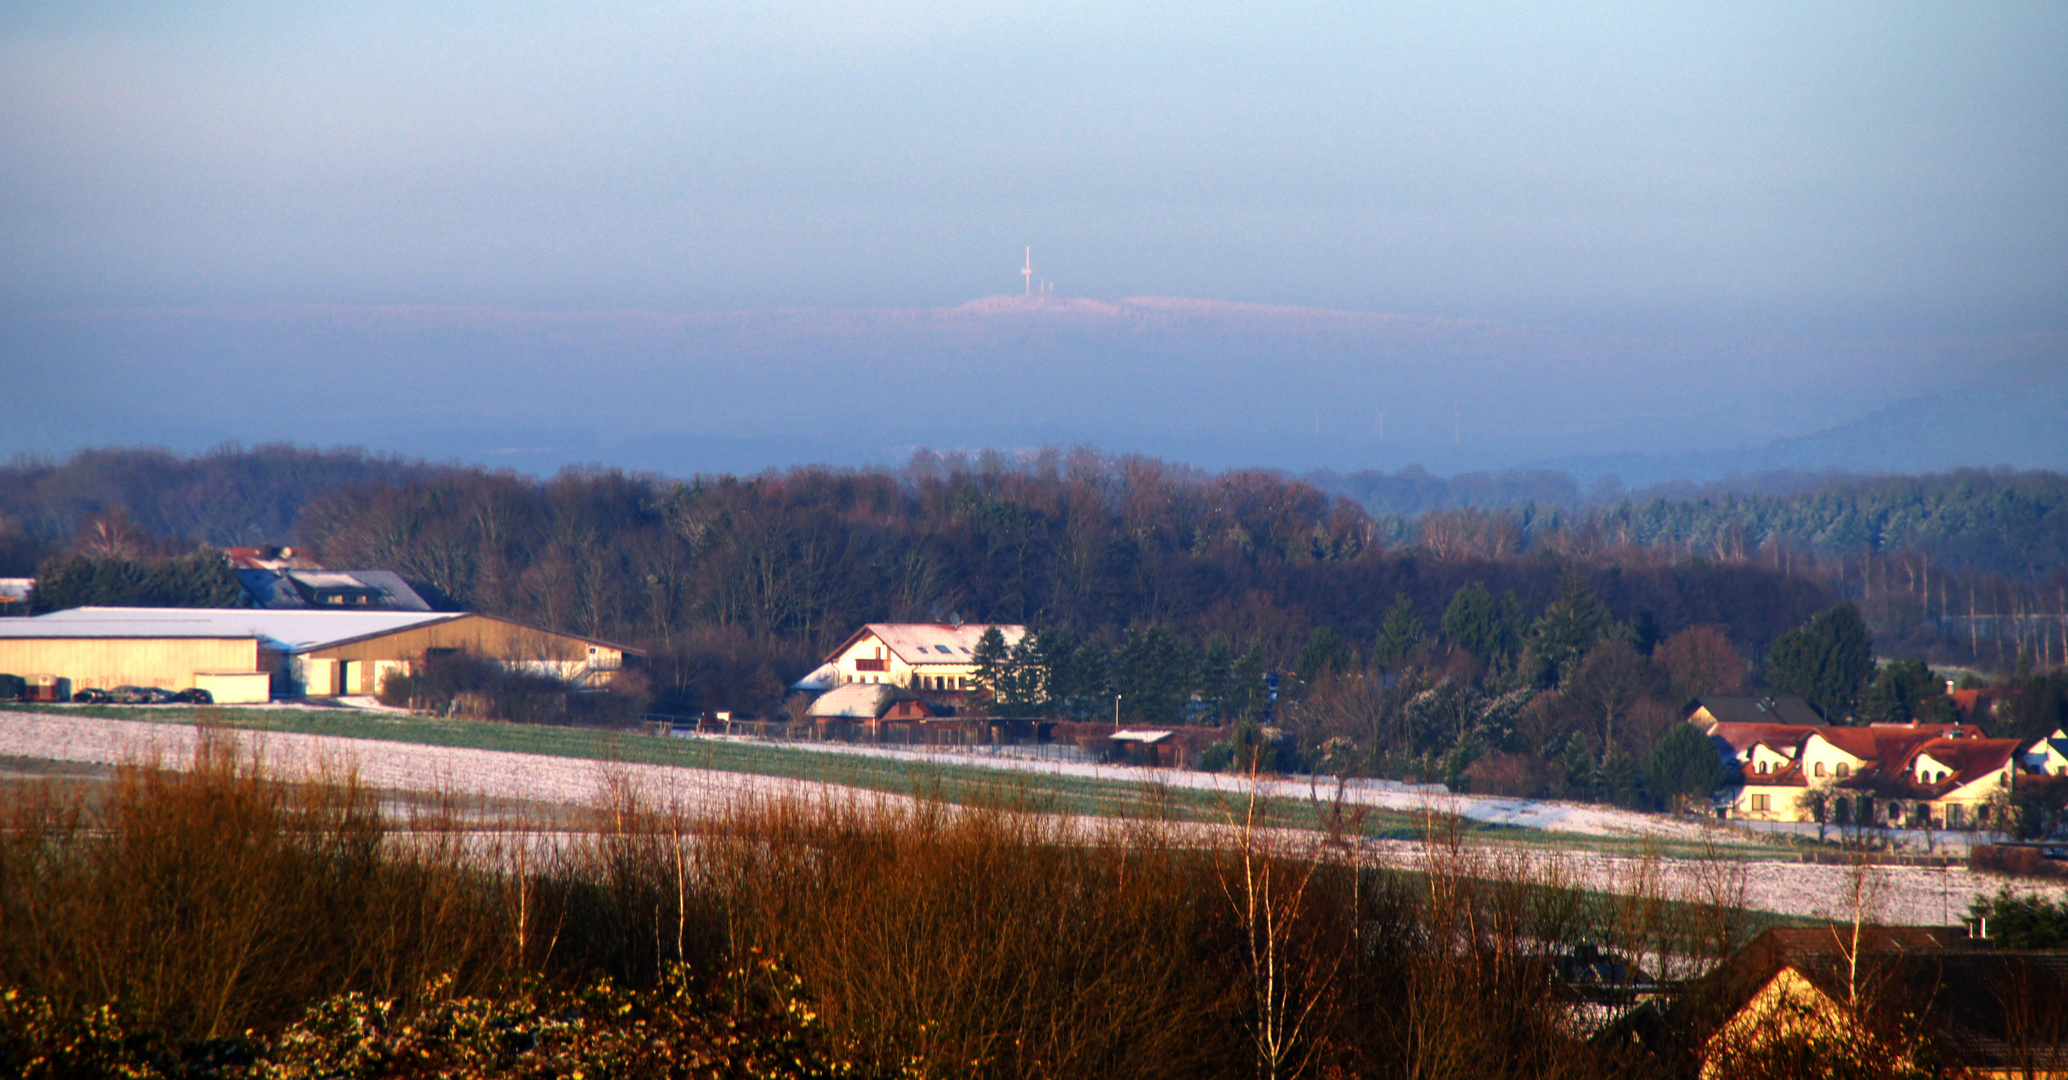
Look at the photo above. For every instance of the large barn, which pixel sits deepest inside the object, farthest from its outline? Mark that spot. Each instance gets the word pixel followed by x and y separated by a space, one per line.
pixel 244 655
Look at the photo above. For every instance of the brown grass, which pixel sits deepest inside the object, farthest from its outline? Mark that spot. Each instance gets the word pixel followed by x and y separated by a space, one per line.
pixel 949 940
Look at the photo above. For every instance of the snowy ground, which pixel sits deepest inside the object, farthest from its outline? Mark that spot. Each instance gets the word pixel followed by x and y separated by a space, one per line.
pixel 400 766
pixel 1386 794
pixel 1892 894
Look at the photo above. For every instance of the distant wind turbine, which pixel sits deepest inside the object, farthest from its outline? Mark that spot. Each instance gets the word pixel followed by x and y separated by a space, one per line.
pixel 1028 272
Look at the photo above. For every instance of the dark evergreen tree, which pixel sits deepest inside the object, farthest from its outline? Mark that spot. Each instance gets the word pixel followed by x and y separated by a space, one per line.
pixel 1826 662
pixel 1216 681
pixel 1091 684
pixel 1644 632
pixel 199 579
pixel 1685 767
pixel 1906 690
pixel 1400 635
pixel 1324 652
pixel 1473 623
pixel 992 660
pixel 1569 629
pixel 2033 707
pixel 1247 693
pixel 1152 671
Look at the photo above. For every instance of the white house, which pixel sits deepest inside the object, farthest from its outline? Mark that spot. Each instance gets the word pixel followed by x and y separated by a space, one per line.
pixel 937 657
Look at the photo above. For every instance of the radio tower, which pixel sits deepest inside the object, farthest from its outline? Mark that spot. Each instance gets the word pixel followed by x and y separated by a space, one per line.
pixel 1028 273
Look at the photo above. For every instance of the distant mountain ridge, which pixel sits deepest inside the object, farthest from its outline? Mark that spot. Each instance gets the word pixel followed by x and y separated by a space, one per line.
pixel 1217 383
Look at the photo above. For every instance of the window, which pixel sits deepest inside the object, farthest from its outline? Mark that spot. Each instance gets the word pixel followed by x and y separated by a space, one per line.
pixel 1844 770
pixel 1762 768
pixel 1820 768
pixel 1762 803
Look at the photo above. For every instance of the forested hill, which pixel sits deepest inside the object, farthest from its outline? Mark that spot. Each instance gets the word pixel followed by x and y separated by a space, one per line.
pixel 794 560
pixel 2013 524
pixel 1993 522
pixel 228 497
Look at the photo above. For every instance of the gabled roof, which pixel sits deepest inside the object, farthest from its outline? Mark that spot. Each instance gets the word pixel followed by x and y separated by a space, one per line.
pixel 1789 775
pixel 1741 737
pixel 1890 742
pixel 292 631
pixel 1757 709
pixel 1970 759
pixel 931 643
pixel 1803 947
pixel 285 589
pixel 2059 746
pixel 289 631
pixel 1967 701
pixel 1978 1001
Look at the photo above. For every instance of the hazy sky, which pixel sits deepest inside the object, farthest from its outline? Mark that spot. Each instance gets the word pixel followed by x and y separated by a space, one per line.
pixel 1654 168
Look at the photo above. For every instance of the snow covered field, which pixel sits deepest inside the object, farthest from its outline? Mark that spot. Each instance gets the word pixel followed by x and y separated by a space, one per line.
pixel 1385 794
pixel 1895 894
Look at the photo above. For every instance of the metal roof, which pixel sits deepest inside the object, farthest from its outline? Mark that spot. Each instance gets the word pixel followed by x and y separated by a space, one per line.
pixel 292 630
pixel 278 588
pixel 932 643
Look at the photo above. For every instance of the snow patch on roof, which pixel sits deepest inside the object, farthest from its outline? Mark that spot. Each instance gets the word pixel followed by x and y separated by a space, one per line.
pixel 292 630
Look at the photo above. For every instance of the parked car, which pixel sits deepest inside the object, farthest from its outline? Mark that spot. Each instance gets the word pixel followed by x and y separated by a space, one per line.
pixel 91 696
pixel 139 695
pixel 13 688
pixel 196 696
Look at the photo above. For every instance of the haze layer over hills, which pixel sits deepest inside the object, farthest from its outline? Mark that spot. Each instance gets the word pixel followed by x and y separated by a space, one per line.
pixel 1213 383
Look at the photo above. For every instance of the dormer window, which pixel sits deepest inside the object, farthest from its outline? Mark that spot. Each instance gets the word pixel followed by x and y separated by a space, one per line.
pixel 1762 768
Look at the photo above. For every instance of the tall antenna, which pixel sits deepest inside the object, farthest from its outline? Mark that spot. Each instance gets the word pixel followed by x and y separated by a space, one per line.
pixel 1028 273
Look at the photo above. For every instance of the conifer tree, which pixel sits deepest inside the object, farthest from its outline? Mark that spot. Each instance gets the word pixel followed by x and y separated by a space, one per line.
pixel 1400 635
pixel 1825 662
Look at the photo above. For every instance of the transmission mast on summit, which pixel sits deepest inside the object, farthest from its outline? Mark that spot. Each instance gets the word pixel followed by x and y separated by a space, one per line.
pixel 1028 273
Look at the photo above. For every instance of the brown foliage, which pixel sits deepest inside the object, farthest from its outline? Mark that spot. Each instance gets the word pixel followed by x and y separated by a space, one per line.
pixel 1700 660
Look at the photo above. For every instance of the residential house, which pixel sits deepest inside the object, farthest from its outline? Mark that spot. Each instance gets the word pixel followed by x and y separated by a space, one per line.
pixel 932 658
pixel 1973 705
pixel 2048 756
pixel 1899 775
pixel 1888 996
pixel 281 579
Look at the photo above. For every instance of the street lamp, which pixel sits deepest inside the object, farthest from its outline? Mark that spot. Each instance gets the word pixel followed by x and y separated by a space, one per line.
pixel 1116 710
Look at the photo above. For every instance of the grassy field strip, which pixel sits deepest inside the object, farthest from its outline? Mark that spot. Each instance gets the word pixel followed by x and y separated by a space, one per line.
pixel 1417 800
pixel 1390 810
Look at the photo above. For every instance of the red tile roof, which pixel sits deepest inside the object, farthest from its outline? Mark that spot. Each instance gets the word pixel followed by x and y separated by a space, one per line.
pixel 1742 736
